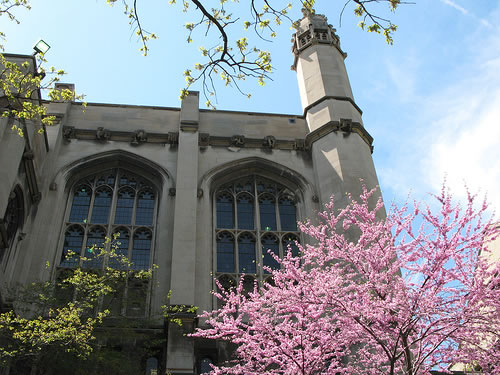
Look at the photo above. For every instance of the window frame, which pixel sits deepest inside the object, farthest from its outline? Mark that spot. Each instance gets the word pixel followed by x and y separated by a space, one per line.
pixel 9 236
pixel 284 188
pixel 110 227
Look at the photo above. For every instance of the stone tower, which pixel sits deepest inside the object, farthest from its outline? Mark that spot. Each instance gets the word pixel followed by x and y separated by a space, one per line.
pixel 341 147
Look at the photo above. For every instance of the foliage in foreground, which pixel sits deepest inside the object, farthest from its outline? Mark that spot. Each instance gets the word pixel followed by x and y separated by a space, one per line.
pixel 57 319
pixel 414 292
pixel 230 56
pixel 228 27
pixel 22 84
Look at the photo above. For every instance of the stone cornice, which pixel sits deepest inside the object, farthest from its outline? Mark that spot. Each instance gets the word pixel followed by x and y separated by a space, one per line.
pixel 346 126
pixel 235 142
pixel 332 97
pixel 134 137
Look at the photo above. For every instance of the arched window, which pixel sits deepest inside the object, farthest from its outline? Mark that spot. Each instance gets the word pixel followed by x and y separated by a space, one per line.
pixel 114 204
pixel 13 218
pixel 252 215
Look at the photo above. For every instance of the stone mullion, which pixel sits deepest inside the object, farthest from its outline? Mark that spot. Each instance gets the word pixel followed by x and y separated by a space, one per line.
pixel 258 245
pixel 236 233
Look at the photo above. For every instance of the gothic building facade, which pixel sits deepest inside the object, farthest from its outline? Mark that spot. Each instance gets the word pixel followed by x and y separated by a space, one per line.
pixel 202 194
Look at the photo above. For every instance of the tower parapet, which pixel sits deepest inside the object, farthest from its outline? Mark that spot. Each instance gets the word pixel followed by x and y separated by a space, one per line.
pixel 342 156
pixel 325 89
pixel 313 29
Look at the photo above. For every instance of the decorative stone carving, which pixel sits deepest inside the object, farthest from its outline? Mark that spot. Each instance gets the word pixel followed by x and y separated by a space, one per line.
pixel 102 134
pixel 299 145
pixel 238 140
pixel 199 193
pixel 269 141
pixel 68 133
pixel 204 139
pixel 345 125
pixel 139 137
pixel 29 155
pixel 173 138
pixel 172 192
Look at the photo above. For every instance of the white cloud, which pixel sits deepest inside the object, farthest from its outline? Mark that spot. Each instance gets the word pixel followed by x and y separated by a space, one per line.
pixel 465 12
pixel 465 145
pixel 453 131
pixel 456 6
pixel 404 75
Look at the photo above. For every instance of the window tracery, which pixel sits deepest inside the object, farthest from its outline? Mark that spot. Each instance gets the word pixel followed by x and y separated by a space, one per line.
pixel 113 202
pixel 253 215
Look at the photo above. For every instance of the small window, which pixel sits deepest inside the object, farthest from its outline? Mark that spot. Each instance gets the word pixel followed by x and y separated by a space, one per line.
pixel 141 249
pixel 290 242
pixel 267 212
pixel 125 206
pixel 270 242
pixel 102 205
pixel 145 208
pixel 245 211
pixel 81 204
pixel 152 366
pixel 13 219
pixel 73 241
pixel 225 252
pixel 225 211
pixel 246 248
pixel 205 365
pixel 288 214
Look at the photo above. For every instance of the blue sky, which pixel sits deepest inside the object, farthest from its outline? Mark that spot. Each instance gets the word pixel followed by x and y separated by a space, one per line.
pixel 431 101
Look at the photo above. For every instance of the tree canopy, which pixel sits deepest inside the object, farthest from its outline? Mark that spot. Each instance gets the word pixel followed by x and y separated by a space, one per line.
pixel 232 58
pixel 235 32
pixel 404 295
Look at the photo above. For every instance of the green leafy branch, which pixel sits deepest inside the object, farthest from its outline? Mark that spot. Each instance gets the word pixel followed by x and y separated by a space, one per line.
pixel 176 313
pixel 373 23
pixel 22 84
pixel 40 320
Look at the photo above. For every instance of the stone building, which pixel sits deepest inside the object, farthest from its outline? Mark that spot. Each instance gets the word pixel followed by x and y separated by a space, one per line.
pixel 199 193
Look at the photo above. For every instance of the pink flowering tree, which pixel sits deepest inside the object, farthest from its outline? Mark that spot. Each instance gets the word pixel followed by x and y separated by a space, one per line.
pixel 401 295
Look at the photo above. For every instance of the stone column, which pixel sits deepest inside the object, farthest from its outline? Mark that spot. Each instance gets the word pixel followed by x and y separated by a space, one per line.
pixel 180 350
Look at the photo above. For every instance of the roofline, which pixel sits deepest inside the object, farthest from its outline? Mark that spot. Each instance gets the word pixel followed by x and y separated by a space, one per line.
pixel 178 109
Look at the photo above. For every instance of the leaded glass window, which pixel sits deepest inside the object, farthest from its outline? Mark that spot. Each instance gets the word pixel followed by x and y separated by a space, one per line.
pixel 270 247
pixel 225 252
pixel 114 203
pixel 246 248
pixel 121 206
pixel 225 210
pixel 205 365
pixel 73 241
pixel 141 249
pixel 13 218
pixel 81 204
pixel 125 206
pixel 253 215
